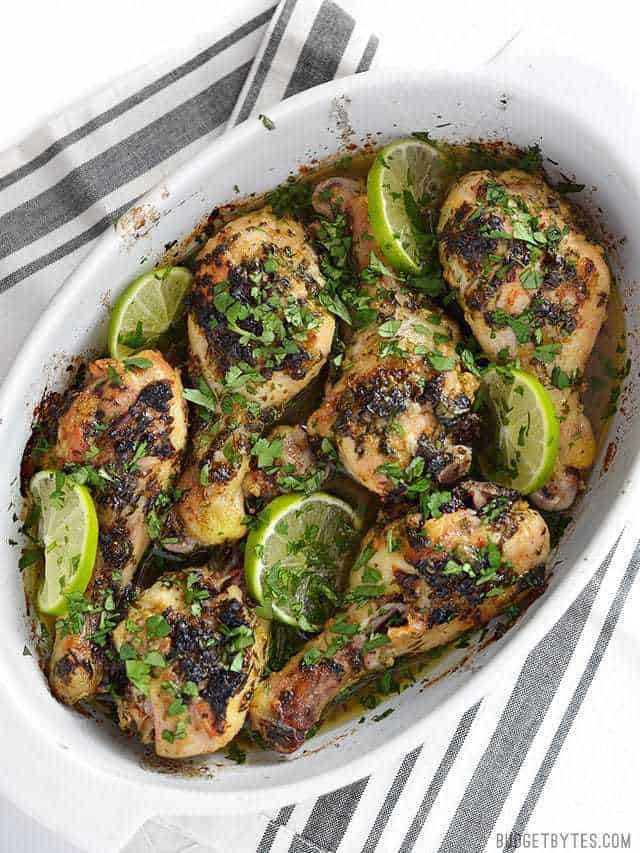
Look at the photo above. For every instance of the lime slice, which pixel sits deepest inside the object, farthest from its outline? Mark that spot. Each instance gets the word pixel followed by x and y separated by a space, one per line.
pixel 405 175
pixel 297 560
pixel 146 309
pixel 68 529
pixel 525 430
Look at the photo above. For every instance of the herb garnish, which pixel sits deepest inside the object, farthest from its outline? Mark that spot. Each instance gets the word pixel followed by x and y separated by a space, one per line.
pixel 266 121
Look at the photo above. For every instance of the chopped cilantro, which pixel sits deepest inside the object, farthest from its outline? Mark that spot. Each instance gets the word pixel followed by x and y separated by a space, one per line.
pixel 520 324
pixel 431 503
pixel 201 396
pixel 440 362
pixel 157 627
pixel 114 377
pixel 546 353
pixel 267 451
pixel 560 379
pixel 154 525
pixel 235 753
pixel 293 197
pixel 136 362
pixel 311 657
pixel 266 121
pixel 139 674
pixel 134 340
pixel 389 328
pixel 531 278
pixel 375 641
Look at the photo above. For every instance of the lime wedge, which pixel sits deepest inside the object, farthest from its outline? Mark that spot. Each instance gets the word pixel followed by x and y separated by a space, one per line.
pixel 297 560
pixel 523 431
pixel 146 309
pixel 68 529
pixel 406 177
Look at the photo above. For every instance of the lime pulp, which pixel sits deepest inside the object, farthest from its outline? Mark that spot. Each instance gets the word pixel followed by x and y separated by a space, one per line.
pixel 68 529
pixel 297 559
pixel 407 177
pixel 146 309
pixel 523 449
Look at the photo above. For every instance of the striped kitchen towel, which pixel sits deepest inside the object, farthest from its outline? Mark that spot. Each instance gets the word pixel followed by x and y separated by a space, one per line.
pixel 478 775
pixel 476 782
pixel 69 180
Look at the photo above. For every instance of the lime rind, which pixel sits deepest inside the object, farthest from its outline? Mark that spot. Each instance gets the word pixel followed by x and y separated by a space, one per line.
pixel 69 531
pixel 253 563
pixel 527 435
pixel 154 299
pixel 265 545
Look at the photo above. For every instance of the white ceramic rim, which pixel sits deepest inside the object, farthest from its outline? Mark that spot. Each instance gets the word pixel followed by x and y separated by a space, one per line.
pixel 171 799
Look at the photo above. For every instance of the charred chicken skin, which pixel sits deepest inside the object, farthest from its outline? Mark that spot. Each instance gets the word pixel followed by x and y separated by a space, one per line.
pixel 402 391
pixel 532 287
pixel 123 432
pixel 258 335
pixel 416 585
pixel 190 651
pixel 255 323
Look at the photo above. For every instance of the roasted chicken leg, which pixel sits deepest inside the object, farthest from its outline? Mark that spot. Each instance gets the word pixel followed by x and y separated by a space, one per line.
pixel 416 585
pixel 258 335
pixel 190 651
pixel 122 431
pixel 532 287
pixel 402 391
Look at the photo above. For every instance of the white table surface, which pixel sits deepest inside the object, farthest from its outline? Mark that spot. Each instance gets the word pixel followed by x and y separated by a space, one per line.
pixel 56 52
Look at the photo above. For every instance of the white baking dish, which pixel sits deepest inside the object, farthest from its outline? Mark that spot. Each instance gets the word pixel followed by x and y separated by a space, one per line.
pixel 86 781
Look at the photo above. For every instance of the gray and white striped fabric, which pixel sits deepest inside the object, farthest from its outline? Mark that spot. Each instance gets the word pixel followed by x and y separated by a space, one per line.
pixel 479 774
